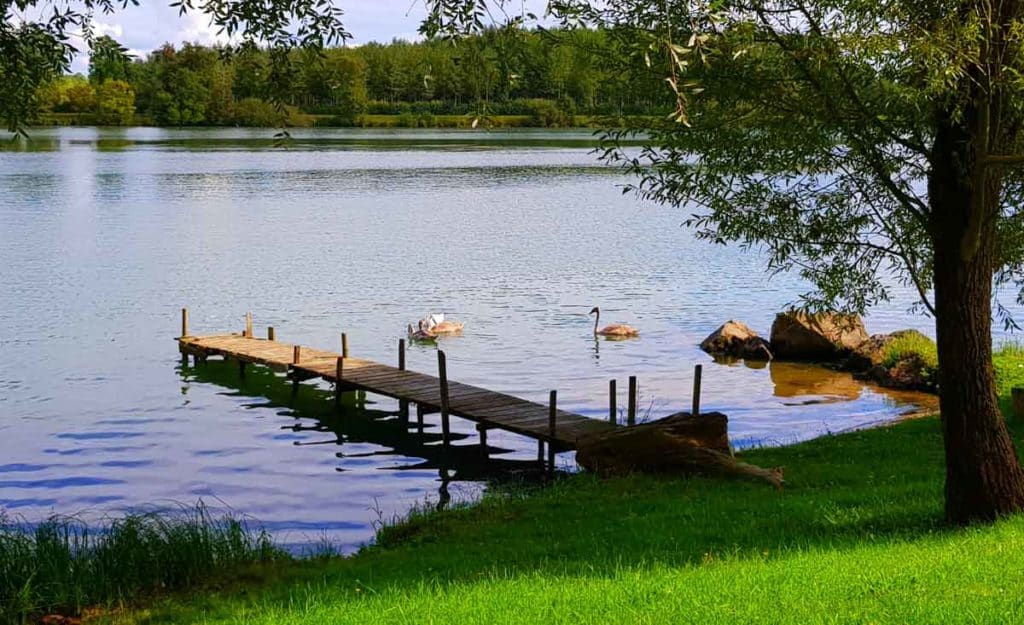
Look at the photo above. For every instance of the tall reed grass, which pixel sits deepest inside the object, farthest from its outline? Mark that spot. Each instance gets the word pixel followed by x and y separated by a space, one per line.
pixel 64 564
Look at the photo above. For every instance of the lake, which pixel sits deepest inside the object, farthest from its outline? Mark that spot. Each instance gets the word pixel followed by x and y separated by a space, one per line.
pixel 107 234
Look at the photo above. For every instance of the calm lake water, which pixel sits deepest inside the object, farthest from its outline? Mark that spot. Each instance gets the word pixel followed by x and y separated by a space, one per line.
pixel 106 234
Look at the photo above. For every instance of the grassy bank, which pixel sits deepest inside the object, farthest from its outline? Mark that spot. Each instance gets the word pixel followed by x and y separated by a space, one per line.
pixel 855 537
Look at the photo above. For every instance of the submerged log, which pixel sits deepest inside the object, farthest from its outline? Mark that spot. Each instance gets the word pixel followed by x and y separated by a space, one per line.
pixel 680 444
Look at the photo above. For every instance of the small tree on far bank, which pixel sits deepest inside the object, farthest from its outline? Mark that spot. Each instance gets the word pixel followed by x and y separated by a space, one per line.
pixel 115 103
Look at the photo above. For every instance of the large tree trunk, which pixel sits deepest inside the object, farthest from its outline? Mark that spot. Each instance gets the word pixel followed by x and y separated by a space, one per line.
pixel 983 476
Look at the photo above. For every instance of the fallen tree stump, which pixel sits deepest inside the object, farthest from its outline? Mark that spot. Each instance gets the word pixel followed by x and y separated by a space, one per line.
pixel 680 444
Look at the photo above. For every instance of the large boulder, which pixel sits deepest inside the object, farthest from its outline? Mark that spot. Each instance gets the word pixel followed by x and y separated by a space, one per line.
pixel 818 337
pixel 734 338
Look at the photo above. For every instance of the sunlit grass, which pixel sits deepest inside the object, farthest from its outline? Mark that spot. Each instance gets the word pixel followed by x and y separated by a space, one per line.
pixel 909 345
pixel 1009 367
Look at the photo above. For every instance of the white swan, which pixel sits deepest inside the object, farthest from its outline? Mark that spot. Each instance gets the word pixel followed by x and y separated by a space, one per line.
pixel 435 323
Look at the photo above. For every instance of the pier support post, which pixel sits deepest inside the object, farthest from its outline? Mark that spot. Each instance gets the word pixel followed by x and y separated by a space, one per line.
pixel 403 404
pixel 296 357
pixel 184 322
pixel 552 414
pixel 480 427
pixel 248 325
pixel 442 369
pixel 271 336
pixel 339 370
pixel 696 390
pixel 344 345
pixel 631 410
pixel 241 369
pixel 612 406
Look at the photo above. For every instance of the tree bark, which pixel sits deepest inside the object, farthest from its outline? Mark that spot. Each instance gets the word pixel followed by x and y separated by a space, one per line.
pixel 984 479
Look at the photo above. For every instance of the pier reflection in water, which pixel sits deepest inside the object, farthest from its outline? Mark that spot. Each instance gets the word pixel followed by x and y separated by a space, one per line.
pixel 408 444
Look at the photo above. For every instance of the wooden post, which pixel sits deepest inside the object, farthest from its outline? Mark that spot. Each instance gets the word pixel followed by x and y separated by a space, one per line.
pixel 296 354
pixel 344 345
pixel 338 374
pixel 241 369
pixel 483 438
pixel 184 322
pixel 403 404
pixel 248 325
pixel 540 451
pixel 552 414
pixel 631 410
pixel 1017 395
pixel 270 334
pixel 612 407
pixel 442 368
pixel 696 390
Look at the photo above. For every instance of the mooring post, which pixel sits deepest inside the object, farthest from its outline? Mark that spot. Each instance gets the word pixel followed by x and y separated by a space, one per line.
pixel 552 414
pixel 270 334
pixel 184 322
pixel 248 325
pixel 631 410
pixel 403 404
pixel 339 370
pixel 296 357
pixel 1017 395
pixel 442 369
pixel 696 390
pixel 480 427
pixel 612 407
pixel 344 345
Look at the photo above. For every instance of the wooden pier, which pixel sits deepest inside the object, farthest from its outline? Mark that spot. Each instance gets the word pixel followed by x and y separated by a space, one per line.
pixel 559 429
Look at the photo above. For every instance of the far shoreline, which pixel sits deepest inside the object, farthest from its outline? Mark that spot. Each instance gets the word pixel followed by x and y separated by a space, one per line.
pixel 398 121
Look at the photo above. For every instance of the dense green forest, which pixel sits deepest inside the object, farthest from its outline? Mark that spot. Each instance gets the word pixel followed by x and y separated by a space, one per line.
pixel 504 77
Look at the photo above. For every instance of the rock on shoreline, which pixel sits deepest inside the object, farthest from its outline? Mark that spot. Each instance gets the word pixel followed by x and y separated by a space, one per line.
pixel 833 339
pixel 818 337
pixel 734 338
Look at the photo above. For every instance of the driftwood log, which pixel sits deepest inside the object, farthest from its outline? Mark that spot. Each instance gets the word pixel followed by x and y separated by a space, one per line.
pixel 678 444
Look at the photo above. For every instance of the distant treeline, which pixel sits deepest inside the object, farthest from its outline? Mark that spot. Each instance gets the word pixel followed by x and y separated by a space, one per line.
pixel 532 78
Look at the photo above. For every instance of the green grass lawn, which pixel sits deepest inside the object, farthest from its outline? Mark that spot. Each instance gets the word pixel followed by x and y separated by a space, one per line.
pixel 856 537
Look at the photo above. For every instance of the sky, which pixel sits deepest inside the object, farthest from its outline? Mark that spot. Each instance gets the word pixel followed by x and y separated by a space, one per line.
pixel 148 26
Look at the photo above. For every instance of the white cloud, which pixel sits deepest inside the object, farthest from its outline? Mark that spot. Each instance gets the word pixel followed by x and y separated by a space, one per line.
pixel 196 28
pixel 111 30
